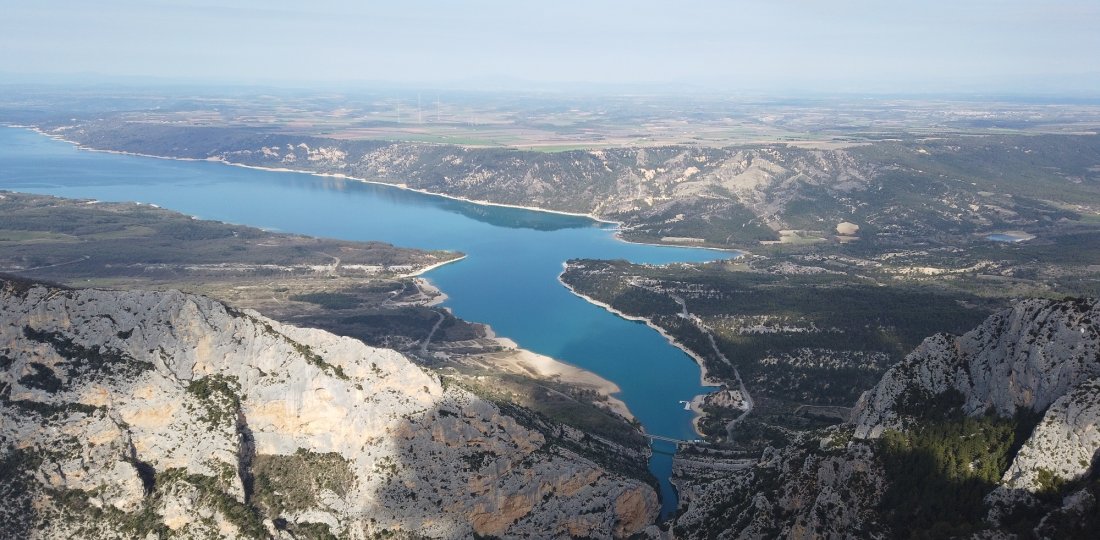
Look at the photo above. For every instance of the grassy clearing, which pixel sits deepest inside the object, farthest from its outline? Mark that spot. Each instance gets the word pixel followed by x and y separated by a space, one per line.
pixel 34 237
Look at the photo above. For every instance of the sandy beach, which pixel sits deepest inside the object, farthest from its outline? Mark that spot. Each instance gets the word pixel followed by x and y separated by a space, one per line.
pixel 538 366
pixel 427 269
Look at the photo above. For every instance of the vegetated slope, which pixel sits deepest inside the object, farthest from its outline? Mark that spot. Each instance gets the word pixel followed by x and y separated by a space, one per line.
pixel 897 191
pixel 296 279
pixel 995 431
pixel 130 413
pixel 59 239
pixel 805 340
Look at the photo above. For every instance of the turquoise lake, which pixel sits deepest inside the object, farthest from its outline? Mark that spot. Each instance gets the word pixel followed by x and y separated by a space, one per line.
pixel 508 280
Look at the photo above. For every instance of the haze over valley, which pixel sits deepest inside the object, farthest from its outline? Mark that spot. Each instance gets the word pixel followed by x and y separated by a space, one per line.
pixel 440 272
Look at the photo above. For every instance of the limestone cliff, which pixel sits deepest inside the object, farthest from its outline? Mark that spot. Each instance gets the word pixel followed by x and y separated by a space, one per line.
pixel 137 413
pixel 1025 357
pixel 996 429
pixel 811 489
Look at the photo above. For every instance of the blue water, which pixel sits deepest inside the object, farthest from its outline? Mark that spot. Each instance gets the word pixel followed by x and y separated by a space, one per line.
pixel 998 237
pixel 508 280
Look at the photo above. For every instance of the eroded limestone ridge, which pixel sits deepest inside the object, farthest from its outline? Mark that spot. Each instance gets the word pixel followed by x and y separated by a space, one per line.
pixel 995 433
pixel 131 413
pixel 886 191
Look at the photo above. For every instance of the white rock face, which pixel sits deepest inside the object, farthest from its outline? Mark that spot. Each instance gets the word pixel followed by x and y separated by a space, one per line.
pixel 1063 448
pixel 177 410
pixel 1064 442
pixel 797 492
pixel 1041 356
pixel 1026 357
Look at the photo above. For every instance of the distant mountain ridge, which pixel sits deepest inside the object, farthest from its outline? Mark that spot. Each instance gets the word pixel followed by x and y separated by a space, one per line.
pixel 898 191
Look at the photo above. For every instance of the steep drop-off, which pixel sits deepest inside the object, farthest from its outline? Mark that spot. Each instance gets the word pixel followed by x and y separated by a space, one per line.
pixel 994 432
pixel 125 413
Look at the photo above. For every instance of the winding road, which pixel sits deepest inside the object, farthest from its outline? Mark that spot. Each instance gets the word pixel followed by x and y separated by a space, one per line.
pixel 684 313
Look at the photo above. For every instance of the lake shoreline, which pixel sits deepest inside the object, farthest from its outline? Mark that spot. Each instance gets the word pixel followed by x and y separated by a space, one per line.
pixel 426 269
pixel 618 224
pixel 341 176
pixel 704 378
pixel 548 368
pixel 530 363
pixel 597 241
pixel 517 358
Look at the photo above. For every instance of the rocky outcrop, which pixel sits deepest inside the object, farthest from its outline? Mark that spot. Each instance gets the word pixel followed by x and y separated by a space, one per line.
pixel 1026 357
pixel 812 489
pixel 1062 452
pixel 1063 445
pixel 159 412
pixel 1040 357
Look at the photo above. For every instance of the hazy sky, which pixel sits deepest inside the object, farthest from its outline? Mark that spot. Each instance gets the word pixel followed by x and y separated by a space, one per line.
pixel 846 45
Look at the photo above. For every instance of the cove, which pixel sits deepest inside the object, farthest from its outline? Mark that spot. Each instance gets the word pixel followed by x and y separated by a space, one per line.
pixel 508 279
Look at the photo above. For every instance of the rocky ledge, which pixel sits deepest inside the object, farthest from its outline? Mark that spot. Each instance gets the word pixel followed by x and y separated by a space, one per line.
pixel 1023 358
pixel 144 414
pixel 992 434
